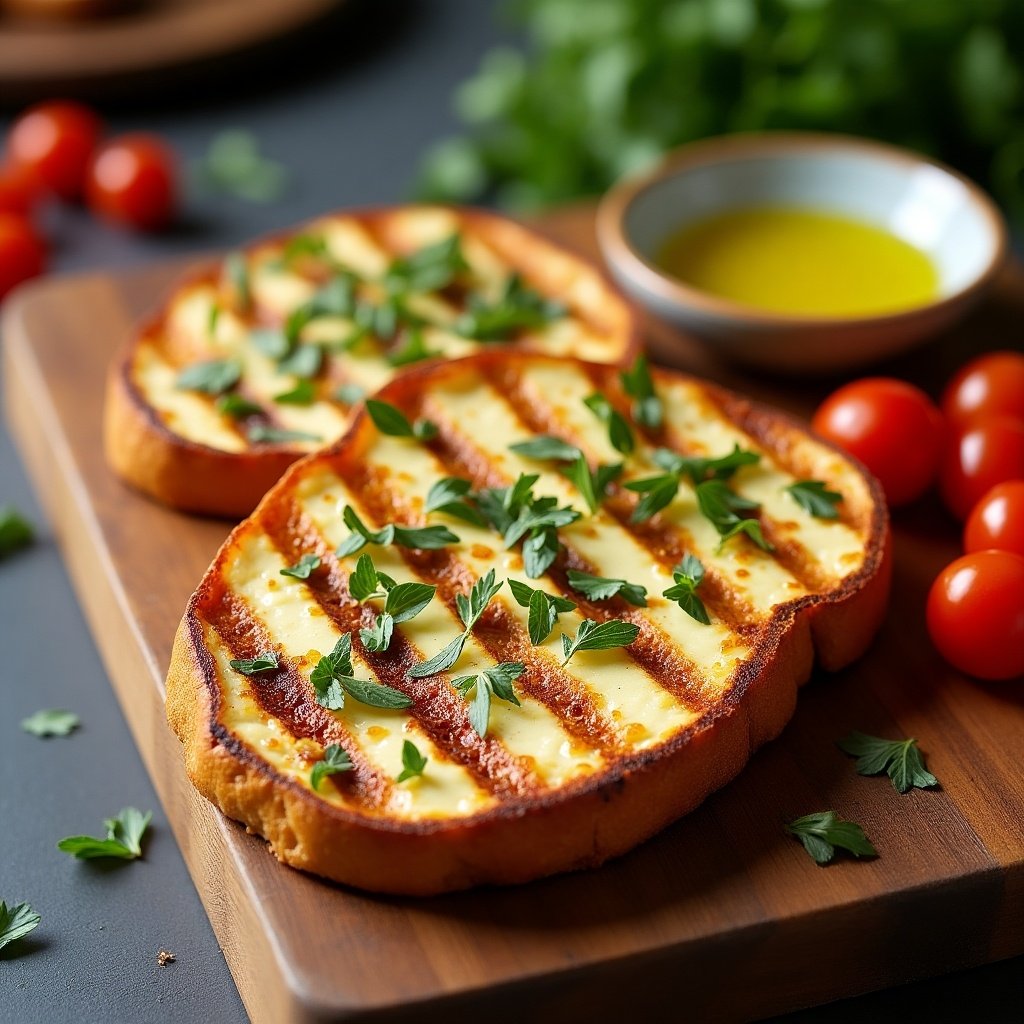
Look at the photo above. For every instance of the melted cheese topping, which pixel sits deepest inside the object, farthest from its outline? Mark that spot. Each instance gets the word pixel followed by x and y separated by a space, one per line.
pixel 303 633
pixel 531 732
pixel 631 707
pixel 278 290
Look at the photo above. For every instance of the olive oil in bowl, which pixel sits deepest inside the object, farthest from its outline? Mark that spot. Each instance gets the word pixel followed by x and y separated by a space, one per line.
pixel 800 262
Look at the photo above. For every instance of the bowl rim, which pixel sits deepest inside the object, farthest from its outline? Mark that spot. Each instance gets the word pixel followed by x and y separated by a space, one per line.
pixel 622 255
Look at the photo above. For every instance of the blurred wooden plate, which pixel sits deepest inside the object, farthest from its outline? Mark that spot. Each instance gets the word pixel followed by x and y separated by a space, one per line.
pixel 115 54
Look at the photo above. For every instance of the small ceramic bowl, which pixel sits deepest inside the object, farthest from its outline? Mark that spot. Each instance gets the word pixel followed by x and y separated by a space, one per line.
pixel 922 202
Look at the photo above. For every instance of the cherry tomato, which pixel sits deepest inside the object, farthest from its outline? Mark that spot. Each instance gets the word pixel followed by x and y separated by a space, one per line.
pixel 976 614
pixel 22 253
pixel 991 385
pixel 989 452
pixel 892 427
pixel 56 141
pixel 20 190
pixel 132 181
pixel 997 521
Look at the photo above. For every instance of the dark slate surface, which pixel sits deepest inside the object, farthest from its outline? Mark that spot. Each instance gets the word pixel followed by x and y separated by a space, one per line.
pixel 350 112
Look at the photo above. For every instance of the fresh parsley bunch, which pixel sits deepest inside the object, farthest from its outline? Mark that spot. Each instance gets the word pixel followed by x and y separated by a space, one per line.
pixel 608 87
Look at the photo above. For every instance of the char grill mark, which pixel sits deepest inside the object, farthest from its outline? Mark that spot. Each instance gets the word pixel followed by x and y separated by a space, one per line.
pixel 497 631
pixel 666 545
pixel 789 554
pixel 660 658
pixel 285 695
pixel 439 712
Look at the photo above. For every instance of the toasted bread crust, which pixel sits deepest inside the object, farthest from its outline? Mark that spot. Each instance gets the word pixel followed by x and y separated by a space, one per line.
pixel 585 821
pixel 204 479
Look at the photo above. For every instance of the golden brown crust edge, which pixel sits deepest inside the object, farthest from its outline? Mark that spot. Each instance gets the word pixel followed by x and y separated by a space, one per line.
pixel 203 480
pixel 548 838
pixel 186 476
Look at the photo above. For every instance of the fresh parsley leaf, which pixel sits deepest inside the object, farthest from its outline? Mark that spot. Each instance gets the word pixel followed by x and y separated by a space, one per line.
pixel 637 383
pixel 658 492
pixel 305 244
pixel 594 636
pixel 304 393
pixel 470 608
pixel 719 505
pixel 814 497
pixel 236 270
pixel 301 570
pixel 601 588
pixel 350 394
pixel 270 341
pixel 212 377
pixel 425 538
pixel 491 682
pixel 544 609
pixel 449 495
pixel 406 600
pixel 413 762
pixel 688 576
pixel 211 319
pixel 335 761
pixel 332 681
pixel 442 661
pixel 823 832
pixel 545 446
pixel 429 269
pixel 237 407
pixel 303 361
pixel 233 165
pixel 901 759
pixel 15 530
pixel 123 839
pixel 16 922
pixel 619 431
pixel 363 580
pixel 393 422
pixel 591 485
pixel 518 308
pixel 262 433
pixel 50 722
pixel 539 552
pixel 700 468
pixel 412 350
pixel 378 637
pixel 539 514
pixel 263 662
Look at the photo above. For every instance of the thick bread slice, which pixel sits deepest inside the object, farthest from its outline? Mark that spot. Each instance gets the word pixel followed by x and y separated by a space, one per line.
pixel 180 445
pixel 602 752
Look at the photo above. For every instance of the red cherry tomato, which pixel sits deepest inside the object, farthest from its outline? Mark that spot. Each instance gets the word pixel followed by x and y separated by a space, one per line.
pixel 19 189
pixel 22 252
pixel 989 452
pixel 56 141
pixel 892 427
pixel 976 614
pixel 991 385
pixel 997 521
pixel 132 181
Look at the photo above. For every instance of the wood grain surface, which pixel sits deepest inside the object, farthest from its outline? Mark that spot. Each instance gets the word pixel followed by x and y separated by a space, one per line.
pixel 721 916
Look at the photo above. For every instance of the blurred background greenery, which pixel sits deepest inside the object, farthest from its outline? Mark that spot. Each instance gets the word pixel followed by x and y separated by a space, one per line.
pixel 603 87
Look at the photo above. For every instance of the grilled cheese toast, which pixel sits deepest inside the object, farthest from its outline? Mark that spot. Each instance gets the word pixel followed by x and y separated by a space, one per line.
pixel 581 751
pixel 258 360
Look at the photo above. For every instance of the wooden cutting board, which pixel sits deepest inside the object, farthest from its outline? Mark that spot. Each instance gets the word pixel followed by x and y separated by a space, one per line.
pixel 722 915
